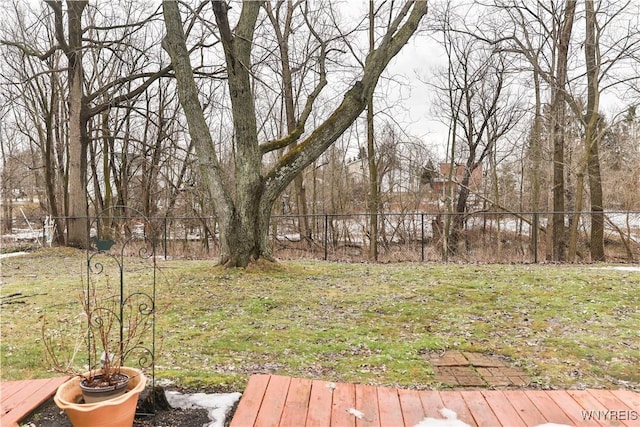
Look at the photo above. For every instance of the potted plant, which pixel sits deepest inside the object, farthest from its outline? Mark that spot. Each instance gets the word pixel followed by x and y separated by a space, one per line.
pixel 115 411
pixel 106 393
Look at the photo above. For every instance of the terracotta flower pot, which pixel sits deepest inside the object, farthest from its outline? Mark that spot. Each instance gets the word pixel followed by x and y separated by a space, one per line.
pixel 115 412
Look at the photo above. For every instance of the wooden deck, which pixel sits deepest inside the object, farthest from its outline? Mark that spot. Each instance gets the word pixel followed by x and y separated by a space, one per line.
pixel 283 401
pixel 19 398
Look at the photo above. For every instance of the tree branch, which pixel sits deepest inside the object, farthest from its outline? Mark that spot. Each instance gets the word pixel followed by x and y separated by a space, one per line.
pixel 353 103
pixel 152 77
pixel 31 52
pixel 175 45
pixel 294 136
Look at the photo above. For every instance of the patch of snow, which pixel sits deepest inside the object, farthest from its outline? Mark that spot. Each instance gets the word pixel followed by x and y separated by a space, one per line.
pixel 622 268
pixel 218 405
pixel 11 254
pixel 356 413
pixel 163 382
pixel 450 420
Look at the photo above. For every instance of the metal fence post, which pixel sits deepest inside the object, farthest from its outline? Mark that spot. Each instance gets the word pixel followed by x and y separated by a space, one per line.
pixel 164 239
pixel 326 235
pixel 422 237
pixel 534 236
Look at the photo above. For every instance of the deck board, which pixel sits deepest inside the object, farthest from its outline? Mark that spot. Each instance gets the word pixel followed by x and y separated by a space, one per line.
pixel 453 400
pixel 304 402
pixel 611 402
pixel 389 406
pixel 504 410
pixel 590 403
pixel 549 408
pixel 630 398
pixel 344 400
pixel 431 403
pixel 367 402
pixel 247 410
pixel 525 408
pixel 482 413
pixel 411 406
pixel 273 402
pixel 571 408
pixel 320 401
pixel 297 403
pixel 19 398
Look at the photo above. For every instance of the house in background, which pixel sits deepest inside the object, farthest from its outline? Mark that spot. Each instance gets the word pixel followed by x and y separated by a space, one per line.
pixel 402 190
pixel 442 186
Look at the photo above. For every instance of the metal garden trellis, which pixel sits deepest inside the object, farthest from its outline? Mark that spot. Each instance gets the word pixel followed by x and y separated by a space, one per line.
pixel 116 235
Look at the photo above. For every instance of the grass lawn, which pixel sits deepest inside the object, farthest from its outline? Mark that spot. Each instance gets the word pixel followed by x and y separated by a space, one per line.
pixel 566 326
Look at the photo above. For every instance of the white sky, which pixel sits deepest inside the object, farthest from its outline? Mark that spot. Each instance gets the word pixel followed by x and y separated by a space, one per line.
pixel 417 61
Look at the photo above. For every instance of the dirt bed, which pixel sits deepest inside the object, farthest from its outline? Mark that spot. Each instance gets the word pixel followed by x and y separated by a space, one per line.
pixel 48 414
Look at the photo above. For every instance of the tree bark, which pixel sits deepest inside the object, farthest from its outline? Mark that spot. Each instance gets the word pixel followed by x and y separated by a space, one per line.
pixel 282 33
pixel 50 169
pixel 374 199
pixel 77 221
pixel 174 43
pixel 592 120
pixel 558 112
pixel 243 207
pixel 535 147
pixel 459 217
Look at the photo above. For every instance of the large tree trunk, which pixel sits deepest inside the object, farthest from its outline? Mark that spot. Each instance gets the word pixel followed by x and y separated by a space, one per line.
pixel 374 197
pixel 596 195
pixel 50 171
pixel 242 235
pixel 77 223
pixel 76 212
pixel 237 222
pixel 243 206
pixel 558 112
pixel 535 149
pixel 575 216
pixel 592 120
pixel 459 218
pixel 558 226
pixel 283 33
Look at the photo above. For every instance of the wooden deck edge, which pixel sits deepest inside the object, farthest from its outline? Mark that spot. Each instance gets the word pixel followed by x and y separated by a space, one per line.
pixel 286 401
pixel 46 388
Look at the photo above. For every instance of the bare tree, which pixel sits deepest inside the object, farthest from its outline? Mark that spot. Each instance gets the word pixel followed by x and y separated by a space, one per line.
pixel 558 119
pixel 374 196
pixel 604 60
pixel 476 92
pixel 71 45
pixel 546 46
pixel 33 83
pixel 244 205
pixel 88 93
pixel 591 120
pixel 602 56
pixel 281 17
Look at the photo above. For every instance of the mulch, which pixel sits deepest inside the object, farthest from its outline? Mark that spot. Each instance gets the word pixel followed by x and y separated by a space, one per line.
pixel 48 414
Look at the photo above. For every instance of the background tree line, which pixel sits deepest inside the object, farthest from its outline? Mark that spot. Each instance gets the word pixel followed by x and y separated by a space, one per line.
pixel 245 110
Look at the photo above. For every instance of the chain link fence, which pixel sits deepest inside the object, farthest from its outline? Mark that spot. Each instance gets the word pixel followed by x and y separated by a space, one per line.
pixel 499 237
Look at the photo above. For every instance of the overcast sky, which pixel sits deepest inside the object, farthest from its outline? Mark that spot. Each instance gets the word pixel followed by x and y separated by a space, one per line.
pixel 417 61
